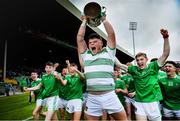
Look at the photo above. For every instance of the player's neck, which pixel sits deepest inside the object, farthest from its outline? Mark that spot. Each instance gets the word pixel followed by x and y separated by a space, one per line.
pixel 172 75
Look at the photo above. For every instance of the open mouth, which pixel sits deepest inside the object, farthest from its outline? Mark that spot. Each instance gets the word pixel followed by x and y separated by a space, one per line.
pixel 141 65
pixel 167 71
pixel 93 48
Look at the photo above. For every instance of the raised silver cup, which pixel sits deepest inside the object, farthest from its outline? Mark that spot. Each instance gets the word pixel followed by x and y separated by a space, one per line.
pixel 94 12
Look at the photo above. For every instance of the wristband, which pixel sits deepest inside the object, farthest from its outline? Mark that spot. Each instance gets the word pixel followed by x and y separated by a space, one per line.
pixel 166 36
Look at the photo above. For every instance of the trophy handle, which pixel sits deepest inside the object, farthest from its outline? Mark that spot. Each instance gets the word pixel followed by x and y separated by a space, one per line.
pixel 94 12
pixel 103 11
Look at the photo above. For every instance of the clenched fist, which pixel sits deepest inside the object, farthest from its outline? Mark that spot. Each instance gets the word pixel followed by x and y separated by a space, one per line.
pixel 164 33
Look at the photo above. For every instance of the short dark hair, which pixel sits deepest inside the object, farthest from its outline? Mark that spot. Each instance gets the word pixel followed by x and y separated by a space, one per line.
pixel 34 71
pixel 49 63
pixel 153 59
pixel 178 65
pixel 141 54
pixel 94 35
pixel 73 64
pixel 171 62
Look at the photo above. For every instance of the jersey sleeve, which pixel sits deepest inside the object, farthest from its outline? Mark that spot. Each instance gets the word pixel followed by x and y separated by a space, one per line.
pixel 155 66
pixel 82 55
pixel 130 69
pixel 111 52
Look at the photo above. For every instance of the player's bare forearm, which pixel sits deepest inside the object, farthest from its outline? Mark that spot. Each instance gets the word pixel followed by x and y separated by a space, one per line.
pixel 124 91
pixel 166 47
pixel 111 34
pixel 68 65
pixel 80 37
pixel 120 65
pixel 132 94
pixel 35 87
pixel 63 82
pixel 81 75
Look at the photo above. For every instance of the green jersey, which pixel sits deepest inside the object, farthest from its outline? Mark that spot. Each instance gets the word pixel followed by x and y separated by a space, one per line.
pixel 146 82
pixel 63 90
pixel 161 74
pixel 74 86
pixel 119 84
pixel 37 92
pixel 50 86
pixel 129 82
pixel 23 82
pixel 171 92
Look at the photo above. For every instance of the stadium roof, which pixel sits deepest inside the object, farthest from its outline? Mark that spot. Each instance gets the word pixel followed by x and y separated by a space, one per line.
pixel 42 30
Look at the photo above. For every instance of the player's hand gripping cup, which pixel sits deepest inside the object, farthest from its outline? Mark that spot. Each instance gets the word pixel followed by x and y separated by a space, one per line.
pixel 94 14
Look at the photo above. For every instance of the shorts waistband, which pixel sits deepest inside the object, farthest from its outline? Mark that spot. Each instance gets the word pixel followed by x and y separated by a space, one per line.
pixel 99 92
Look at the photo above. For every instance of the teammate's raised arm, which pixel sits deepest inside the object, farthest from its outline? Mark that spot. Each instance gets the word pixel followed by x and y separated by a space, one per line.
pixel 111 42
pixel 80 36
pixel 120 65
pixel 166 47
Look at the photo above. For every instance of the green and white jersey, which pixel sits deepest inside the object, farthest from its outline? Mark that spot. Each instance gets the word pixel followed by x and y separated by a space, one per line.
pixel 171 92
pixel 74 87
pixel 50 86
pixel 99 69
pixel 146 82
pixel 119 84
pixel 37 92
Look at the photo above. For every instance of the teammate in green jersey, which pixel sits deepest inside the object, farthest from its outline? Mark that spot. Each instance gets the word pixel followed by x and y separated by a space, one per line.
pixel 74 82
pixel 120 86
pixel 37 93
pixel 145 77
pixel 129 98
pixel 170 86
pixel 178 69
pixel 63 95
pixel 50 93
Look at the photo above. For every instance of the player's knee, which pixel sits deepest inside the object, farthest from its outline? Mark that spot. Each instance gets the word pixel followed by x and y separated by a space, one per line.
pixel 128 113
pixel 34 113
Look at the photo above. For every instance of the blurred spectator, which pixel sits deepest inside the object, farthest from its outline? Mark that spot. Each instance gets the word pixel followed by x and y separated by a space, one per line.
pixel 178 69
pixel 7 88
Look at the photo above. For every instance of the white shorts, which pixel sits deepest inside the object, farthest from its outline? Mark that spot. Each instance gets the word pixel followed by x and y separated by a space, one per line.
pixel 171 113
pixel 74 105
pixel 151 110
pixel 52 103
pixel 97 104
pixel 62 103
pixel 40 102
pixel 129 100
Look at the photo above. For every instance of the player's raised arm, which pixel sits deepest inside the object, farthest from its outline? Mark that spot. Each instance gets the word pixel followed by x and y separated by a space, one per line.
pixel 166 47
pixel 81 44
pixel 111 42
